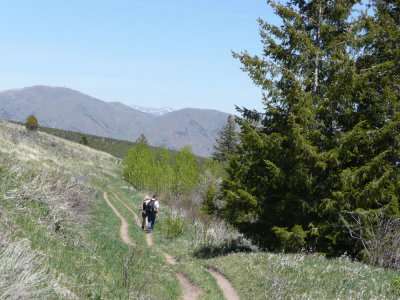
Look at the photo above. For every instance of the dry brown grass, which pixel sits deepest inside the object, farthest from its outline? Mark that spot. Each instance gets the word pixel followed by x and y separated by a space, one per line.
pixel 21 274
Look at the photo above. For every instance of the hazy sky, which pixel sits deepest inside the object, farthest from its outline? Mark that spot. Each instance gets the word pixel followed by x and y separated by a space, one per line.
pixel 151 53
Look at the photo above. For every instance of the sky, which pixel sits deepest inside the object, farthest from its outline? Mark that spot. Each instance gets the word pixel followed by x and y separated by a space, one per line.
pixel 150 53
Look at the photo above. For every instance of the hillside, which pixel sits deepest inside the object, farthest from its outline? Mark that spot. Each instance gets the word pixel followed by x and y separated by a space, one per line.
pixel 67 109
pixel 67 231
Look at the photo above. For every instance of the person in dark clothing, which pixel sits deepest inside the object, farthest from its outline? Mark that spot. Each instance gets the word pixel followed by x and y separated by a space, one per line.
pixel 152 212
pixel 143 209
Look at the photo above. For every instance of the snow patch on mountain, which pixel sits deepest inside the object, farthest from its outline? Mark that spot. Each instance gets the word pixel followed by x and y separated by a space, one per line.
pixel 153 111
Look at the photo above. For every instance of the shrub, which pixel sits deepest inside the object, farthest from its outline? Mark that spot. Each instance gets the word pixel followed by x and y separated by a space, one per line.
pixel 293 240
pixel 20 274
pixel 214 237
pixel 32 123
pixel 395 285
pixel 209 191
pixel 84 140
pixel 174 226
pixel 379 235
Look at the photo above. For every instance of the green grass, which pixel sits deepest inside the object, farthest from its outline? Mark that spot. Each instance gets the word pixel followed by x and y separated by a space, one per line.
pixel 88 260
pixel 263 275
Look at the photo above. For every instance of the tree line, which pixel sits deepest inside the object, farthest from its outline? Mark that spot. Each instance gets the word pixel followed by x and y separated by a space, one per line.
pixel 174 175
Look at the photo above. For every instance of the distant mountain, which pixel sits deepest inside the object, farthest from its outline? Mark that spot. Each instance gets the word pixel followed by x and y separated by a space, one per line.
pixel 153 111
pixel 71 110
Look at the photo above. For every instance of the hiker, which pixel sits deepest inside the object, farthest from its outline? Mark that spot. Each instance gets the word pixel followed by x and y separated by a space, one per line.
pixel 143 208
pixel 152 212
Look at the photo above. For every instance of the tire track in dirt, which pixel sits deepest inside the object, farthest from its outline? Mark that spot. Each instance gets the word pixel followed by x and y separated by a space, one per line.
pixel 123 231
pixel 224 284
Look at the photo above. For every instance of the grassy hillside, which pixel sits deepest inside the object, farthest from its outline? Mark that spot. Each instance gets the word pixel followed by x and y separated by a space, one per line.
pixel 117 148
pixel 60 240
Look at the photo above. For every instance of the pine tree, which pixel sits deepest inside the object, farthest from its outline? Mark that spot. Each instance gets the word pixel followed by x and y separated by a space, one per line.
pixel 280 177
pixel 370 150
pixel 226 141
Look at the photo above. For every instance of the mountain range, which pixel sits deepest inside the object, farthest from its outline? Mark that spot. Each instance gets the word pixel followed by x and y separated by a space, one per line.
pixel 68 109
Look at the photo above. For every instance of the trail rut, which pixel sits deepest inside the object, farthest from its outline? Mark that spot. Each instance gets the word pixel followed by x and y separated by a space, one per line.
pixel 123 231
pixel 225 285
pixel 149 239
pixel 190 291
pixel 137 220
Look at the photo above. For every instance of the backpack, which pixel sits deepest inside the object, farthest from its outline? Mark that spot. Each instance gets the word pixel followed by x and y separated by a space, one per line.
pixel 150 207
pixel 144 210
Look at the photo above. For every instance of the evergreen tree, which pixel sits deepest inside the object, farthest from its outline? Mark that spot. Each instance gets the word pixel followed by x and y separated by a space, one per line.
pixel 32 123
pixel 84 140
pixel 281 175
pixel 142 139
pixel 226 141
pixel 370 152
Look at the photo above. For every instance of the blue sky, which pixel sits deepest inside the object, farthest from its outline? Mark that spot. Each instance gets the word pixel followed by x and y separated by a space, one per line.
pixel 150 53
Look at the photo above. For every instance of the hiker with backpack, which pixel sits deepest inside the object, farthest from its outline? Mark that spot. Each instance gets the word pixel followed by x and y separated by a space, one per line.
pixel 143 208
pixel 152 212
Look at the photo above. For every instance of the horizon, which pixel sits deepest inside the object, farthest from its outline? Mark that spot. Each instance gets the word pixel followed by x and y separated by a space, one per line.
pixel 147 54
pixel 104 100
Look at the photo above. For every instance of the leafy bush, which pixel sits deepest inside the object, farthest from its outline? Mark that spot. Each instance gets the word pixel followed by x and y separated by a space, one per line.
pixel 174 225
pixel 32 123
pixel 395 285
pixel 293 240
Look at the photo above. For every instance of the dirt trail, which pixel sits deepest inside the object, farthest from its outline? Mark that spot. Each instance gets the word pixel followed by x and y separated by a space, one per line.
pixel 123 231
pixel 225 285
pixel 170 259
pixel 190 291
pixel 149 239
pixel 137 220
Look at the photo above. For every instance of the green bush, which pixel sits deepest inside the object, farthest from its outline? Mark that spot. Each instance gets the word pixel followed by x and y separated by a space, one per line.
pixel 395 285
pixel 32 123
pixel 293 240
pixel 84 140
pixel 174 226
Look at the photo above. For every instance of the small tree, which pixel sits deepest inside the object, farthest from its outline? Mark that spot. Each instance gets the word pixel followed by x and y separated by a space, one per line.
pixel 84 140
pixel 226 141
pixel 142 139
pixel 32 123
